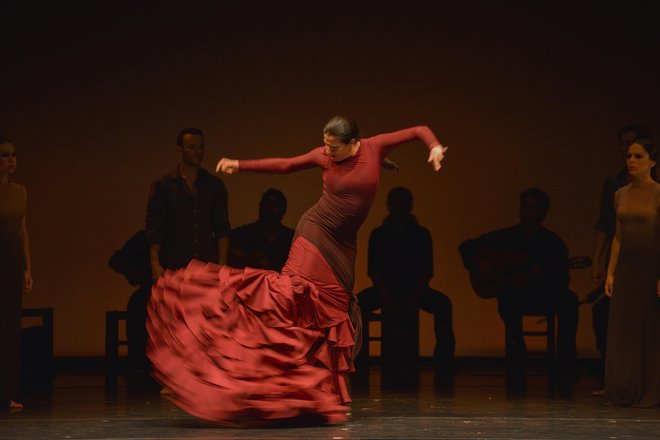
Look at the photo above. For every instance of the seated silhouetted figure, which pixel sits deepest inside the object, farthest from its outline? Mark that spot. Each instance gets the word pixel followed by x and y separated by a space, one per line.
pixel 265 243
pixel 400 266
pixel 132 261
pixel 526 267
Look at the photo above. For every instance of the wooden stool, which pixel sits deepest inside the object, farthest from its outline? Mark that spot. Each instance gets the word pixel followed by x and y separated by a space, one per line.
pixel 549 334
pixel 112 344
pixel 38 347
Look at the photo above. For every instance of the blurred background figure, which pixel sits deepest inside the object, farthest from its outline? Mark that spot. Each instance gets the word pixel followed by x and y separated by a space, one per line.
pixel 15 274
pixel 265 243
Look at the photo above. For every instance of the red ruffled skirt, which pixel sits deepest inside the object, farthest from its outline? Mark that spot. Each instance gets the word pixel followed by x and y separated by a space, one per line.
pixel 245 346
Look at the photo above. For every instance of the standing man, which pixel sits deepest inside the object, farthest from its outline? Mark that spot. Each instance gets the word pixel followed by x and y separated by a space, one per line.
pixel 605 228
pixel 187 216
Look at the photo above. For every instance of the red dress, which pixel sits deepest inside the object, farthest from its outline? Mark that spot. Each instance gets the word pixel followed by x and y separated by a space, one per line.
pixel 247 345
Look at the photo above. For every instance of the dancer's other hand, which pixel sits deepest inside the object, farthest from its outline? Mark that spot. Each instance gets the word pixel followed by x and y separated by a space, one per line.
pixel 27 281
pixel 609 284
pixel 436 155
pixel 227 166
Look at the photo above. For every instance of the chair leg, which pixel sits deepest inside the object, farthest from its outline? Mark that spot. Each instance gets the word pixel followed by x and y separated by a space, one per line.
pixel 111 349
pixel 552 338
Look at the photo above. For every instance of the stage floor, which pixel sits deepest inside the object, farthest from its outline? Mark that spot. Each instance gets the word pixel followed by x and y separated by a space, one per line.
pixel 475 404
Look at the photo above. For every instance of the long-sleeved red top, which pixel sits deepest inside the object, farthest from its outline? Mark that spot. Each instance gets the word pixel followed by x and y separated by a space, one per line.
pixel 349 189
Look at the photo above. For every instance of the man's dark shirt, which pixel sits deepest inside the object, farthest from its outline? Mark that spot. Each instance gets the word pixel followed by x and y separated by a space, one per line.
pixel 248 247
pixel 543 249
pixel 606 222
pixel 400 257
pixel 187 226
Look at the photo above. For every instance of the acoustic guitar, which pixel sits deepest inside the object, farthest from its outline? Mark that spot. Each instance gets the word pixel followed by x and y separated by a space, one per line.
pixel 494 270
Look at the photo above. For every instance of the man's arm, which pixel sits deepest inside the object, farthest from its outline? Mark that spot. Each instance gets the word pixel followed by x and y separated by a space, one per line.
pixel 221 226
pixel 561 267
pixel 236 256
pixel 599 266
pixel 154 257
pixel 601 239
pixel 155 226
pixel 223 249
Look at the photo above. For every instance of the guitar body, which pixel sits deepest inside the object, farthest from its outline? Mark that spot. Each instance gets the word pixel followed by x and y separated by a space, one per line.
pixel 493 270
pixel 484 285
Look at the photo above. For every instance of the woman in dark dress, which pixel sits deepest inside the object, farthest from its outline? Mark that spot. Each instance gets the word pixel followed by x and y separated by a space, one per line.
pixel 15 274
pixel 244 346
pixel 632 364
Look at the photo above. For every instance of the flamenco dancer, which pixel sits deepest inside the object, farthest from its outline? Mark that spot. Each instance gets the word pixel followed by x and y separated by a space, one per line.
pixel 245 347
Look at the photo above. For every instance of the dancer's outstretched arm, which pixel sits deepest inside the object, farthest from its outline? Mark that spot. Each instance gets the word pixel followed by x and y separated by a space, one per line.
pixel 280 165
pixel 386 142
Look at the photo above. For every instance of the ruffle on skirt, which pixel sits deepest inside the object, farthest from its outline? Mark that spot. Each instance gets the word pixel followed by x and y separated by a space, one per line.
pixel 251 345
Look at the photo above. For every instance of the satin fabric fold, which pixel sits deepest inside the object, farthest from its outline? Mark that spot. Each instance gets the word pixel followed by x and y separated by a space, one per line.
pixel 249 345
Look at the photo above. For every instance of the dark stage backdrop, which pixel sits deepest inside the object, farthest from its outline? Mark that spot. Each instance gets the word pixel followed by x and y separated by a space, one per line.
pixel 93 96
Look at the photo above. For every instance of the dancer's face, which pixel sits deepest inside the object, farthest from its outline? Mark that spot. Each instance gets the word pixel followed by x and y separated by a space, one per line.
pixel 638 161
pixel 192 151
pixel 337 150
pixel 7 158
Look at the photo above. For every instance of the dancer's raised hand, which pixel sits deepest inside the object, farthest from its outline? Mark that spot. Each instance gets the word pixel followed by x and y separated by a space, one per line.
pixel 436 155
pixel 227 166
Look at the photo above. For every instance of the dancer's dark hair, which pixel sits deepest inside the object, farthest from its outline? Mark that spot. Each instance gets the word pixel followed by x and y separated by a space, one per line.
pixel 344 128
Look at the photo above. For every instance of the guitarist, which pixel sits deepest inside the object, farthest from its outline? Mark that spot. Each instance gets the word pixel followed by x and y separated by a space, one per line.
pixel 525 267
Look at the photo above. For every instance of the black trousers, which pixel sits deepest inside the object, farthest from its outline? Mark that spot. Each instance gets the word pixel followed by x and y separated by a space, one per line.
pixel 431 301
pixel 600 312
pixel 11 284
pixel 515 303
pixel 136 331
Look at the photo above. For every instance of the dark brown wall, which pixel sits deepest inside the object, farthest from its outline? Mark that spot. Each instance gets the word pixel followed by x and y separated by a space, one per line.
pixel 93 98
